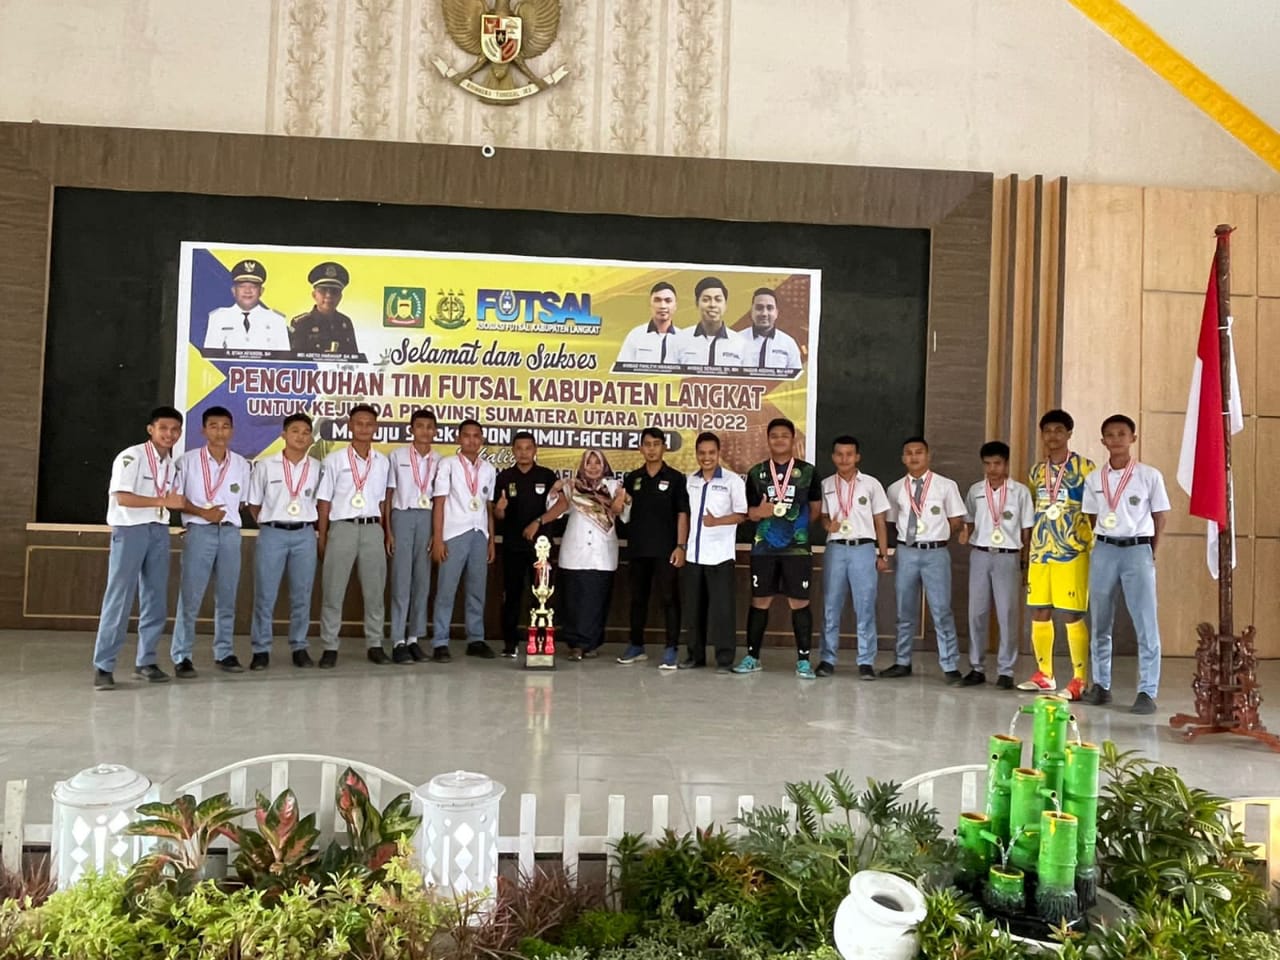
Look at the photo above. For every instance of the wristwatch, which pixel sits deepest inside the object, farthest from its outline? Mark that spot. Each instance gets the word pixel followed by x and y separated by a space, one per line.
pixel 682 546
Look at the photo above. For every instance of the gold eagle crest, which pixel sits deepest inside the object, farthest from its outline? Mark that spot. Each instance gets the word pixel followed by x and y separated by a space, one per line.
pixel 502 36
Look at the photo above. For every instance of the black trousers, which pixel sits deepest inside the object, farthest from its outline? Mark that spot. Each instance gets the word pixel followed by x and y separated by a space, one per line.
pixel 517 575
pixel 646 573
pixel 708 598
pixel 583 611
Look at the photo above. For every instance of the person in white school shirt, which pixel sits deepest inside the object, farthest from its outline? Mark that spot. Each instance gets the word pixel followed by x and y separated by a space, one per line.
pixel 767 347
pixel 282 501
pixel 462 540
pixel 142 491
pixel 710 342
pixel 717 504
pixel 854 507
pixel 1128 505
pixel 998 512
pixel 409 490
pixel 927 511
pixel 653 342
pixel 215 480
pixel 352 530
pixel 593 500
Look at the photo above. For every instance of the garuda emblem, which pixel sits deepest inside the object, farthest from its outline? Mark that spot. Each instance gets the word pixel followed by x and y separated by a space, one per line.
pixel 503 37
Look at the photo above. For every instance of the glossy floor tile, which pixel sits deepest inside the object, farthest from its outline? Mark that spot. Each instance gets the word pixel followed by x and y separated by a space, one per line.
pixel 594 728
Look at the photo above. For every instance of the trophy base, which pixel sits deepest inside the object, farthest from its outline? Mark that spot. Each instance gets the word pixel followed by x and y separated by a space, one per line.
pixel 540 661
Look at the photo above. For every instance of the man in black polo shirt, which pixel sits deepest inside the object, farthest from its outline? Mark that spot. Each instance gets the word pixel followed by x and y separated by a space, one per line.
pixel 657 537
pixel 520 499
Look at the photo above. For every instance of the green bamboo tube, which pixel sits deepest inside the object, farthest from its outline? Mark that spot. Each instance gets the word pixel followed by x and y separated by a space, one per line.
pixel 1026 804
pixel 1004 756
pixel 1049 738
pixel 1006 892
pixel 1056 900
pixel 977 845
pixel 1080 798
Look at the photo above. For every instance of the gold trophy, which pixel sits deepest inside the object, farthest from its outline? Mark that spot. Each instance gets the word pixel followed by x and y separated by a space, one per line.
pixel 540 653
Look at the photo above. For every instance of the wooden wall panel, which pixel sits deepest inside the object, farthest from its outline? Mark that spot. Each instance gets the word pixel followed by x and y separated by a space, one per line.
pixel 1267 476
pixel 1103 333
pixel 1267 349
pixel 1170 326
pixel 1178 233
pixel 1269 246
pixel 1187 596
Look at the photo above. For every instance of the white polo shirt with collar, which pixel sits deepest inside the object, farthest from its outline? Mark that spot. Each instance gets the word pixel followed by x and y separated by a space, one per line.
pixel 269 489
pixel 777 351
pixel 868 500
pixel 131 473
pixel 338 484
pixel 452 483
pixel 941 501
pixel 644 344
pixel 231 491
pixel 724 494
pixel 697 349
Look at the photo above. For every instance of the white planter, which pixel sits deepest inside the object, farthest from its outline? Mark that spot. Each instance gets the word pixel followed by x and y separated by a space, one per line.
pixel 877 920
pixel 457 844
pixel 90 813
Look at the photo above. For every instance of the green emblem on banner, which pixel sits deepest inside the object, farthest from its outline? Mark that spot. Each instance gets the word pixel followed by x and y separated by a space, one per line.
pixel 404 306
pixel 451 310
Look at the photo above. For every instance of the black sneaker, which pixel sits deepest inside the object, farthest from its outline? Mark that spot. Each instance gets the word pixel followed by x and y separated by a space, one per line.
pixel 974 678
pixel 481 649
pixel 1143 705
pixel 185 670
pixel 328 659
pixel 1004 682
pixel 229 665
pixel 150 673
pixel 416 653
pixel 690 664
pixel 825 669
pixel 377 655
pixel 441 655
pixel 1096 696
pixel 954 678
pixel 302 659
pixel 509 654
pixel 866 671
pixel 400 654
pixel 897 670
pixel 103 680
pixel 720 667
pixel 260 661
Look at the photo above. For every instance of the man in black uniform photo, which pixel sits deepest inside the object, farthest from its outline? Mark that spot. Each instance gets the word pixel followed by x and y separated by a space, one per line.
pixel 323 330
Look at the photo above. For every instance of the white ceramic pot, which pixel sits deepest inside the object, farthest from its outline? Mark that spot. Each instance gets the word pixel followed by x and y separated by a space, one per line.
pixel 877 920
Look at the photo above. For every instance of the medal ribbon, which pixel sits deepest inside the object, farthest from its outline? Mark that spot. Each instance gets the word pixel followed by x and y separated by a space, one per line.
pixel 846 506
pixel 918 507
pixel 780 487
pixel 1056 484
pixel 288 476
pixel 1113 502
pixel 153 462
pixel 473 479
pixel 414 460
pixel 358 480
pixel 210 488
pixel 997 511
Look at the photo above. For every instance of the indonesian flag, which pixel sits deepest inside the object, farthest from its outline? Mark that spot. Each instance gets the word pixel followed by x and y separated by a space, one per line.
pixel 1202 464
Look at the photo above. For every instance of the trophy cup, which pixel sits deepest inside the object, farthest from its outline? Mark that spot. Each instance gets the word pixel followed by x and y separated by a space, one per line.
pixel 540 653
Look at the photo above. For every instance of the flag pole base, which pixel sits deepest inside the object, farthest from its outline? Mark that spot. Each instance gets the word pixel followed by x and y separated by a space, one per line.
pixel 1228 695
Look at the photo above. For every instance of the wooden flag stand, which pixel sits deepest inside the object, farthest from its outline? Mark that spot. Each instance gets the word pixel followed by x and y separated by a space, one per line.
pixel 1228 695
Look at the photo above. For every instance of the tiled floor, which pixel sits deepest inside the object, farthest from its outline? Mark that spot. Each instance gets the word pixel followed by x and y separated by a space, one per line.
pixel 594 728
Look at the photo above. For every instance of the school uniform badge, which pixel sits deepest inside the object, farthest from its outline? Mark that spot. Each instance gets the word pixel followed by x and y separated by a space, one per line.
pixel 663 485
pixel 538 488
pixel 503 37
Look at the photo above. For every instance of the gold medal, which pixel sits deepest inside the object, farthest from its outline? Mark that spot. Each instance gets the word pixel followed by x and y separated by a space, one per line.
pixel 779 509
pixel 294 508
pixel 997 537
pixel 1054 512
pixel 424 501
pixel 1110 521
pixel 358 501
pixel 475 503
pixel 846 527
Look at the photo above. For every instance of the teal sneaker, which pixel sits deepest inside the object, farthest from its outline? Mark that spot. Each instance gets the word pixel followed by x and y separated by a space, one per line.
pixel 804 671
pixel 748 664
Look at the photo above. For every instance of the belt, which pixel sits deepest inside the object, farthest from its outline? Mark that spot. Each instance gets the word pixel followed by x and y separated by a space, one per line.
pixel 924 545
pixel 853 543
pixel 1125 541
pixel 359 520
pixel 997 549
pixel 286 526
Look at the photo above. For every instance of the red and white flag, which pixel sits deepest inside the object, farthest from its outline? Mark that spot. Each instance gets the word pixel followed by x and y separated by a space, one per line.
pixel 1202 464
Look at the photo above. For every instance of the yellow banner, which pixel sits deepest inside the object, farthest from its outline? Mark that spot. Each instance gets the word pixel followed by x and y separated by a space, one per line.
pixel 580 353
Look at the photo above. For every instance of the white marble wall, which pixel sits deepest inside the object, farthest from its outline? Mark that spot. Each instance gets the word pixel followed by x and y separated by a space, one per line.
pixel 1005 85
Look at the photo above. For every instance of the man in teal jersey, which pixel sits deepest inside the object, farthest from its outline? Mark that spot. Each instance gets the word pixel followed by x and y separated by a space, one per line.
pixel 784 497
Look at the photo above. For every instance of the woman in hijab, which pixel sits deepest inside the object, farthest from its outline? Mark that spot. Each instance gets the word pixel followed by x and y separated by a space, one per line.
pixel 593 500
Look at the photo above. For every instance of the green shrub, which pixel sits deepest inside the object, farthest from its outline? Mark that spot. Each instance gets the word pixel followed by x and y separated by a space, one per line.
pixel 597 930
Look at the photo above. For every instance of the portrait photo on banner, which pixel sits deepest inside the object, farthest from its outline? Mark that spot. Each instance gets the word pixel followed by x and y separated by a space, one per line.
pixel 581 353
